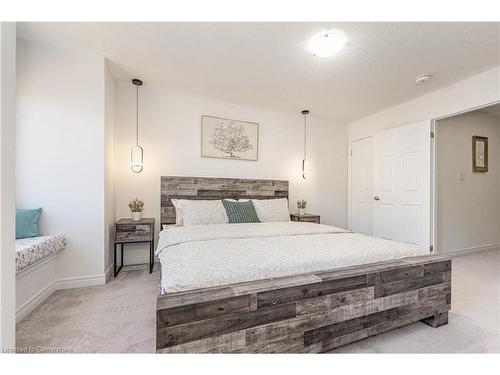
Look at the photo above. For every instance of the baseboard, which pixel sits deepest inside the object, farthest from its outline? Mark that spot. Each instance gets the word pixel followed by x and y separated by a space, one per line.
pixel 80 282
pixel 33 303
pixel 59 284
pixel 471 250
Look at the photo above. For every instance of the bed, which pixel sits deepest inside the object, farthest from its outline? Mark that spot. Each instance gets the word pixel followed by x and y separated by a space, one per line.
pixel 284 287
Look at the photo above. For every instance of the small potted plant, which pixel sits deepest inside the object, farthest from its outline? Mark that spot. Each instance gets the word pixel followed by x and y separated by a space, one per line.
pixel 136 206
pixel 301 204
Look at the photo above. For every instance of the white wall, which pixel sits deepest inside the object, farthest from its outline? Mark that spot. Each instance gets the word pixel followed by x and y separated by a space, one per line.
pixel 60 150
pixel 170 134
pixel 472 92
pixel 468 212
pixel 7 184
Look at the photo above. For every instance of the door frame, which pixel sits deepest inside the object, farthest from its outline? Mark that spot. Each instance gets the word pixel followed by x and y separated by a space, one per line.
pixel 434 174
pixel 433 177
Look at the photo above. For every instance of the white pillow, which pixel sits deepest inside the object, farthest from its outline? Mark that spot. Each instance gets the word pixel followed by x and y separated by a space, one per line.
pixel 272 209
pixel 197 212
pixel 178 214
pixel 166 226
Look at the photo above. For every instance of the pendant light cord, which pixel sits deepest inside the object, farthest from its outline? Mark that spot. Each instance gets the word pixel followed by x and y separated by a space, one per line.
pixel 137 116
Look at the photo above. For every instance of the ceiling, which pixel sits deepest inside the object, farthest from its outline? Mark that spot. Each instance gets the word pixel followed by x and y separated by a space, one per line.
pixel 268 64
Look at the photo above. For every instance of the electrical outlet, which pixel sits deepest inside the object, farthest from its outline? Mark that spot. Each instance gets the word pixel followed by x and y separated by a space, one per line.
pixel 461 177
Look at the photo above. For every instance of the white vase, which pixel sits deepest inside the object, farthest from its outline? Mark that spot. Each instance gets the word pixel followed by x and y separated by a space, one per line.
pixel 136 216
pixel 302 211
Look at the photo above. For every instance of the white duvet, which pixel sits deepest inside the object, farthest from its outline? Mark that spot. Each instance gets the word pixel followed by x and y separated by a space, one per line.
pixel 202 256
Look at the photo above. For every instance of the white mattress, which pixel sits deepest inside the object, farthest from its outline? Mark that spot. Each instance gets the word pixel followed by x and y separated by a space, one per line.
pixel 210 255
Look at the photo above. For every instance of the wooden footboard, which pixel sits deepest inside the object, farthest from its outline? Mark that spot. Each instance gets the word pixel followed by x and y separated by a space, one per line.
pixel 307 313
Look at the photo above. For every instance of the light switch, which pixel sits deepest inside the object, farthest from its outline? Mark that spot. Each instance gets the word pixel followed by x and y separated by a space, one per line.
pixel 461 177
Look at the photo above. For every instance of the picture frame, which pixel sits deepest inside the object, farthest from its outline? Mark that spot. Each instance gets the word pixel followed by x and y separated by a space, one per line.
pixel 224 138
pixel 479 154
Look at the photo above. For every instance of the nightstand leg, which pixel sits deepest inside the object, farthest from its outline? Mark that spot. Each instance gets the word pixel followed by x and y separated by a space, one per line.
pixel 151 259
pixel 116 271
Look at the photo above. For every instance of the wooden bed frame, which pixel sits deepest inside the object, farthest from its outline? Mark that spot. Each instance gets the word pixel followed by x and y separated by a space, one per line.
pixel 306 313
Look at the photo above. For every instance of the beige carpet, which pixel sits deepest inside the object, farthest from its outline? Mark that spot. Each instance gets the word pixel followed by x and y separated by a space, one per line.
pixel 120 316
pixel 114 318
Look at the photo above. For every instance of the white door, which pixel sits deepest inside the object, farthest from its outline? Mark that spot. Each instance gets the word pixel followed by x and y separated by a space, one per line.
pixel 401 184
pixel 361 185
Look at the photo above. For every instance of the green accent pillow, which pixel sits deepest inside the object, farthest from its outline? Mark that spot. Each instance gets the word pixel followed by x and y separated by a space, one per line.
pixel 240 212
pixel 27 222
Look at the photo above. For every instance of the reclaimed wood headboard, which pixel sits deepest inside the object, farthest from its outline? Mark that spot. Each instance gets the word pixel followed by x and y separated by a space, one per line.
pixel 215 188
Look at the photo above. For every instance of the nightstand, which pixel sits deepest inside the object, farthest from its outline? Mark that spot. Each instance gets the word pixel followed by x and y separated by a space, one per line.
pixel 128 231
pixel 306 218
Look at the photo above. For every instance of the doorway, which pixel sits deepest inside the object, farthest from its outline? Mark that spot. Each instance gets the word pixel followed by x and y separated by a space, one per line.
pixel 467 183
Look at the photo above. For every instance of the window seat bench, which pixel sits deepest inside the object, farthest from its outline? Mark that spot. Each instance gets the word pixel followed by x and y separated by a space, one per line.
pixel 30 251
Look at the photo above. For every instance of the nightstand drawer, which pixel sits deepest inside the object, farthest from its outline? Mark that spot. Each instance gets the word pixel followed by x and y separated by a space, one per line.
pixel 309 219
pixel 133 232
pixel 305 218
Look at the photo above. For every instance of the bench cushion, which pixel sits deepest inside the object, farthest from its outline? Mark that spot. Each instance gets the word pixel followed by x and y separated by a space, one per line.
pixel 32 250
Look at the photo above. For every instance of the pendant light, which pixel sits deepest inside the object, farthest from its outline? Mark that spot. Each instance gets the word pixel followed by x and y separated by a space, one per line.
pixel 305 112
pixel 137 153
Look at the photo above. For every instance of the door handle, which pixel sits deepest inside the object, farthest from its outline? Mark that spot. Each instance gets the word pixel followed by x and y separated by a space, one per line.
pixel 377 198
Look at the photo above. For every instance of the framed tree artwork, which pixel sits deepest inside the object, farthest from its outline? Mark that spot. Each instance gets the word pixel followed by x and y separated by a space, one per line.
pixel 479 154
pixel 229 139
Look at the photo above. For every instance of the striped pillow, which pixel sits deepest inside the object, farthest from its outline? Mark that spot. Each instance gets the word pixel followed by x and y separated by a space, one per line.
pixel 240 212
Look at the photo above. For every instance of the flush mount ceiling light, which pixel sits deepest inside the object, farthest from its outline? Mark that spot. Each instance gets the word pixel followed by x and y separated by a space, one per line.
pixel 423 78
pixel 327 43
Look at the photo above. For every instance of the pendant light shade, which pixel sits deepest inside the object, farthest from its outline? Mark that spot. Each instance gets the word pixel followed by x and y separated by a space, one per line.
pixel 305 169
pixel 137 153
pixel 137 159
